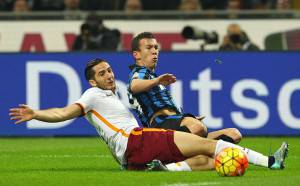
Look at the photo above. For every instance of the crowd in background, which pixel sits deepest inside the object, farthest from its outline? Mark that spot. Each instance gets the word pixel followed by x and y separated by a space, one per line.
pixel 95 36
pixel 144 5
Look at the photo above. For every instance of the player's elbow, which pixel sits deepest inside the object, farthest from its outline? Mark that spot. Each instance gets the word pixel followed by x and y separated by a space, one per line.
pixel 235 134
pixel 133 89
pixel 200 130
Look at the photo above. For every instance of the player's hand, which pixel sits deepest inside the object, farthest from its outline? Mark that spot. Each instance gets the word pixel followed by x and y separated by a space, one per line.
pixel 21 114
pixel 200 118
pixel 166 79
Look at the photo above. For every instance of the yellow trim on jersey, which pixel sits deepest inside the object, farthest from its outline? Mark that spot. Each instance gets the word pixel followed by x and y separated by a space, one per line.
pixel 107 123
pixel 133 132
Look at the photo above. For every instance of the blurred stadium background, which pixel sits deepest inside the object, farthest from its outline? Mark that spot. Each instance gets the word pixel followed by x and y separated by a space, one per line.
pixel 45 44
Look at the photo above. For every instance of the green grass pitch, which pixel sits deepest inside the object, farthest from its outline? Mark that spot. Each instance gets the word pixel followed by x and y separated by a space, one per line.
pixel 87 161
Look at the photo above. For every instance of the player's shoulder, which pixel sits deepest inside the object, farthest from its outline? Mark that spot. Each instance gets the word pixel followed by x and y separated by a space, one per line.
pixel 140 73
pixel 91 90
pixel 139 69
pixel 94 91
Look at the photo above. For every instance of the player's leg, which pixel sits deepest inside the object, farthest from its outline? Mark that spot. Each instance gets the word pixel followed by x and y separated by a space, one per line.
pixel 196 163
pixel 276 161
pixel 156 146
pixel 191 145
pixel 200 163
pixel 197 127
pixel 194 125
pixel 189 123
pixel 175 146
pixel 183 123
pixel 197 153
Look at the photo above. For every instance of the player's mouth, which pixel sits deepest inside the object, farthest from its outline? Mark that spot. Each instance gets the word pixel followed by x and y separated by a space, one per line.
pixel 111 82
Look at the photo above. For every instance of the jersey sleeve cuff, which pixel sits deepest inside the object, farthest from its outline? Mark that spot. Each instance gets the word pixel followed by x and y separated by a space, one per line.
pixel 82 109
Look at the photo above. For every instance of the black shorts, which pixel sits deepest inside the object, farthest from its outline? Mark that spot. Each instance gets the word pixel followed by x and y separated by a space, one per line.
pixel 171 122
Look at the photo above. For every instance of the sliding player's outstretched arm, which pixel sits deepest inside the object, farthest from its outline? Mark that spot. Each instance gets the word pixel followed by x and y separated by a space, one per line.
pixel 24 113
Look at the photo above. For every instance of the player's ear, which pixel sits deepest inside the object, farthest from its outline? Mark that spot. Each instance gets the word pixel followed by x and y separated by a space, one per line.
pixel 92 83
pixel 136 55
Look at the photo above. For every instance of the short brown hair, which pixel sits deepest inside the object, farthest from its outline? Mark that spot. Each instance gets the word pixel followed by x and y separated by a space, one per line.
pixel 89 72
pixel 135 43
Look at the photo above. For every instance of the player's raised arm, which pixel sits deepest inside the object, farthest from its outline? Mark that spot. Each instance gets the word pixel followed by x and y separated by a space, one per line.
pixel 142 85
pixel 24 113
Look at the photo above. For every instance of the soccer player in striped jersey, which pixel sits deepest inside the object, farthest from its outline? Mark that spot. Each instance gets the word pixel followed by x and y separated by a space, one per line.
pixel 152 101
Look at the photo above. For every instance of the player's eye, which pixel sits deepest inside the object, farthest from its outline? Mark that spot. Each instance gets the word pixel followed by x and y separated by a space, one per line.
pixel 101 73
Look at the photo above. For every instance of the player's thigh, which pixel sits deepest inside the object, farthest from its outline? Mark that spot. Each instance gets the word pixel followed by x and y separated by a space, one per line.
pixel 191 145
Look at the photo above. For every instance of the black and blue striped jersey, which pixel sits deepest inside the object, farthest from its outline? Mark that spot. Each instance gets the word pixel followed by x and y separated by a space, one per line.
pixel 145 104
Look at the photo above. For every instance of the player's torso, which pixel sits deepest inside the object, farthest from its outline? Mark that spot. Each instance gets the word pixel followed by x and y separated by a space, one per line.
pixel 156 99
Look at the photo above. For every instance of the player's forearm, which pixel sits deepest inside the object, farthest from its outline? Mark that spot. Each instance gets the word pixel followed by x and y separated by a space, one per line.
pixel 51 115
pixel 139 85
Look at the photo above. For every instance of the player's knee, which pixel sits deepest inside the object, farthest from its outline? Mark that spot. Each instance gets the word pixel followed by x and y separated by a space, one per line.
pixel 195 126
pixel 235 134
pixel 199 129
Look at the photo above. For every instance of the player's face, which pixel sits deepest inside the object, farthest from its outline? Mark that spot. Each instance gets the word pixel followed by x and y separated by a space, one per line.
pixel 148 53
pixel 104 77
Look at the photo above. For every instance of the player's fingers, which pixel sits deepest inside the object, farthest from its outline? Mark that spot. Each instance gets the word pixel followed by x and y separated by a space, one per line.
pixel 171 76
pixel 14 110
pixel 19 121
pixel 172 79
pixel 14 114
pixel 15 117
pixel 23 105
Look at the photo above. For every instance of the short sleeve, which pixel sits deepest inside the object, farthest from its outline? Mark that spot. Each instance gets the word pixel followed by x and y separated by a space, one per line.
pixel 86 101
pixel 140 74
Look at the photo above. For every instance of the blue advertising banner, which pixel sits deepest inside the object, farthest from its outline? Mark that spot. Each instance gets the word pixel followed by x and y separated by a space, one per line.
pixel 258 93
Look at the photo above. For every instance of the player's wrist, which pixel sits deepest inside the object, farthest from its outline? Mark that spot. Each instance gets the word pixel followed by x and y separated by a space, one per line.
pixel 35 114
pixel 156 81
